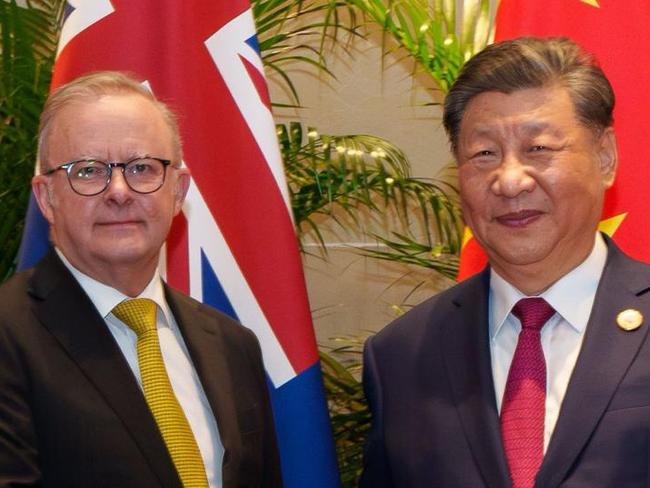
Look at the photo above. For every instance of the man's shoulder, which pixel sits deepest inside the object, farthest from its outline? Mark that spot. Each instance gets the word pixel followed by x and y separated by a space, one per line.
pixel 624 270
pixel 621 260
pixel 17 282
pixel 15 290
pixel 429 316
pixel 49 275
pixel 18 303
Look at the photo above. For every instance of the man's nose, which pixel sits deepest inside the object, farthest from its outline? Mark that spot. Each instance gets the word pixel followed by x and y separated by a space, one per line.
pixel 118 189
pixel 512 177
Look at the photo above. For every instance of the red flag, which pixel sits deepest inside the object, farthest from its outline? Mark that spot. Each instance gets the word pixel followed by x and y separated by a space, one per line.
pixel 617 34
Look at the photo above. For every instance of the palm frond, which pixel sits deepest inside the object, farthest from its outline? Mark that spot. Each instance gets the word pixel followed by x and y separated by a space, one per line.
pixel 439 257
pixel 300 30
pixel 357 174
pixel 428 32
pixel 349 413
pixel 29 36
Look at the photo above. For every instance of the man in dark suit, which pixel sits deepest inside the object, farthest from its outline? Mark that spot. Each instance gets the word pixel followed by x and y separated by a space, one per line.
pixel 109 378
pixel 536 371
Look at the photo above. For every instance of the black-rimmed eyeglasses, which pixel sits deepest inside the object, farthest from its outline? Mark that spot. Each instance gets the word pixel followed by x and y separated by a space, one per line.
pixel 90 177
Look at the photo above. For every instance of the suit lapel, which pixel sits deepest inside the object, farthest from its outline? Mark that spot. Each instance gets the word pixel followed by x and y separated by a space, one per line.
pixel 210 357
pixel 64 309
pixel 606 354
pixel 468 365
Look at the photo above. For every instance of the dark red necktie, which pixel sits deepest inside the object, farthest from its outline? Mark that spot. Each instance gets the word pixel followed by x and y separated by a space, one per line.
pixel 522 409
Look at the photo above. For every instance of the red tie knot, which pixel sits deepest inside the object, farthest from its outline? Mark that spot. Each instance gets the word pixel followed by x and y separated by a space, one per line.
pixel 533 313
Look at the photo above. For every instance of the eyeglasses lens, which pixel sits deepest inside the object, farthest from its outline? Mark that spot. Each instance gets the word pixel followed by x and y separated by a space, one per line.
pixel 144 175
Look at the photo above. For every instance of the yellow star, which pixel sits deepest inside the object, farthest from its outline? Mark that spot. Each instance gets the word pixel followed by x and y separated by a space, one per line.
pixel 467 236
pixel 610 225
pixel 593 3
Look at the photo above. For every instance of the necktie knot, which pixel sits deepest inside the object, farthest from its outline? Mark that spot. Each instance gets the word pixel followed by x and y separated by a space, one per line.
pixel 138 313
pixel 533 313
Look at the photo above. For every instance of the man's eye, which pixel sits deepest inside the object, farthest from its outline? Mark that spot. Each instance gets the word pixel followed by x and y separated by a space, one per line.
pixel 140 168
pixel 485 153
pixel 538 148
pixel 89 172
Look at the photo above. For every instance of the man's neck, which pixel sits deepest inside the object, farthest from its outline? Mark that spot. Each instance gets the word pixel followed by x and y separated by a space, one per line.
pixel 535 278
pixel 127 279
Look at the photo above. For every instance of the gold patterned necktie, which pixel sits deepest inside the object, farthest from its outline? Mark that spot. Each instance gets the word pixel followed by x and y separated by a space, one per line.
pixel 140 315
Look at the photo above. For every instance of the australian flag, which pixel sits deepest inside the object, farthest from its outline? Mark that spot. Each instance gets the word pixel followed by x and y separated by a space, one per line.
pixel 234 245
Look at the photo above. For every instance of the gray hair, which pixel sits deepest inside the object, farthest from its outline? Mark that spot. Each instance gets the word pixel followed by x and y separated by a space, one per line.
pixel 90 88
pixel 529 62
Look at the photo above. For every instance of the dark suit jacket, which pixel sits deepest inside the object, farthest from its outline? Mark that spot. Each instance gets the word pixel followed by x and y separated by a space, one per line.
pixel 72 413
pixel 428 378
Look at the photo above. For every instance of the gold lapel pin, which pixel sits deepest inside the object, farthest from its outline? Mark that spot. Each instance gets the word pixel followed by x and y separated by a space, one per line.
pixel 629 319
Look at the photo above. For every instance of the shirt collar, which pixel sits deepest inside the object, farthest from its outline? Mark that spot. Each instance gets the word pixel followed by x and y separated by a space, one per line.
pixel 572 296
pixel 105 298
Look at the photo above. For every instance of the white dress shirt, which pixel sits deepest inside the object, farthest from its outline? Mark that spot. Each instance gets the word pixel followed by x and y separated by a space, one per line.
pixel 182 375
pixel 572 297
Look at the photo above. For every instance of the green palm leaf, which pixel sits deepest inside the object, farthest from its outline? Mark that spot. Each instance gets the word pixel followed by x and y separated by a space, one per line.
pixel 427 31
pixel 29 38
pixel 349 413
pixel 290 31
pixel 363 175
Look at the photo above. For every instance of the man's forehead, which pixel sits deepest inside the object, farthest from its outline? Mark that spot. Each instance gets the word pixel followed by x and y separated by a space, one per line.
pixel 529 110
pixel 118 101
pixel 522 98
pixel 120 108
pixel 118 127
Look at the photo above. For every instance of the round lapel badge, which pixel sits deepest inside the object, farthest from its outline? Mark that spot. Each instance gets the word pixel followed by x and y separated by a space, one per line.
pixel 629 319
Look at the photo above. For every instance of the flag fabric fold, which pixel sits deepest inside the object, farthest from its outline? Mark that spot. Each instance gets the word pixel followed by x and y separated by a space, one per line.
pixel 234 245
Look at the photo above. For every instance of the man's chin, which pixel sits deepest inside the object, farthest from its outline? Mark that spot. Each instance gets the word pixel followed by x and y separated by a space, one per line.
pixel 517 256
pixel 127 254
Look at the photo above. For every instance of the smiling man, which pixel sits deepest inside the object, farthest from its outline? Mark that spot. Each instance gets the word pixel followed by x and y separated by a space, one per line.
pixel 109 378
pixel 535 371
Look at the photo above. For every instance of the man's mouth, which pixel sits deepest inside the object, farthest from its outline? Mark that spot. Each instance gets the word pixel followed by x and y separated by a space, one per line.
pixel 119 223
pixel 520 218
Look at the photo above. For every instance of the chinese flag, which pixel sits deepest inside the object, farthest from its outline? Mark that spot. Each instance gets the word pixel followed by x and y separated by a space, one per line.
pixel 617 33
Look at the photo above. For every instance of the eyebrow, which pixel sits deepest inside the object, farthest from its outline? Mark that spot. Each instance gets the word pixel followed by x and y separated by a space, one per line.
pixel 130 156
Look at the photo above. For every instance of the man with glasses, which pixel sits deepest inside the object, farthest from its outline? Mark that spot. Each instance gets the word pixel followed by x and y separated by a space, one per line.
pixel 109 378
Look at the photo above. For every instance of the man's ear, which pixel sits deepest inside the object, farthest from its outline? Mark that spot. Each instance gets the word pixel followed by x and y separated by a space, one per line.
pixel 181 186
pixel 608 156
pixel 43 195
